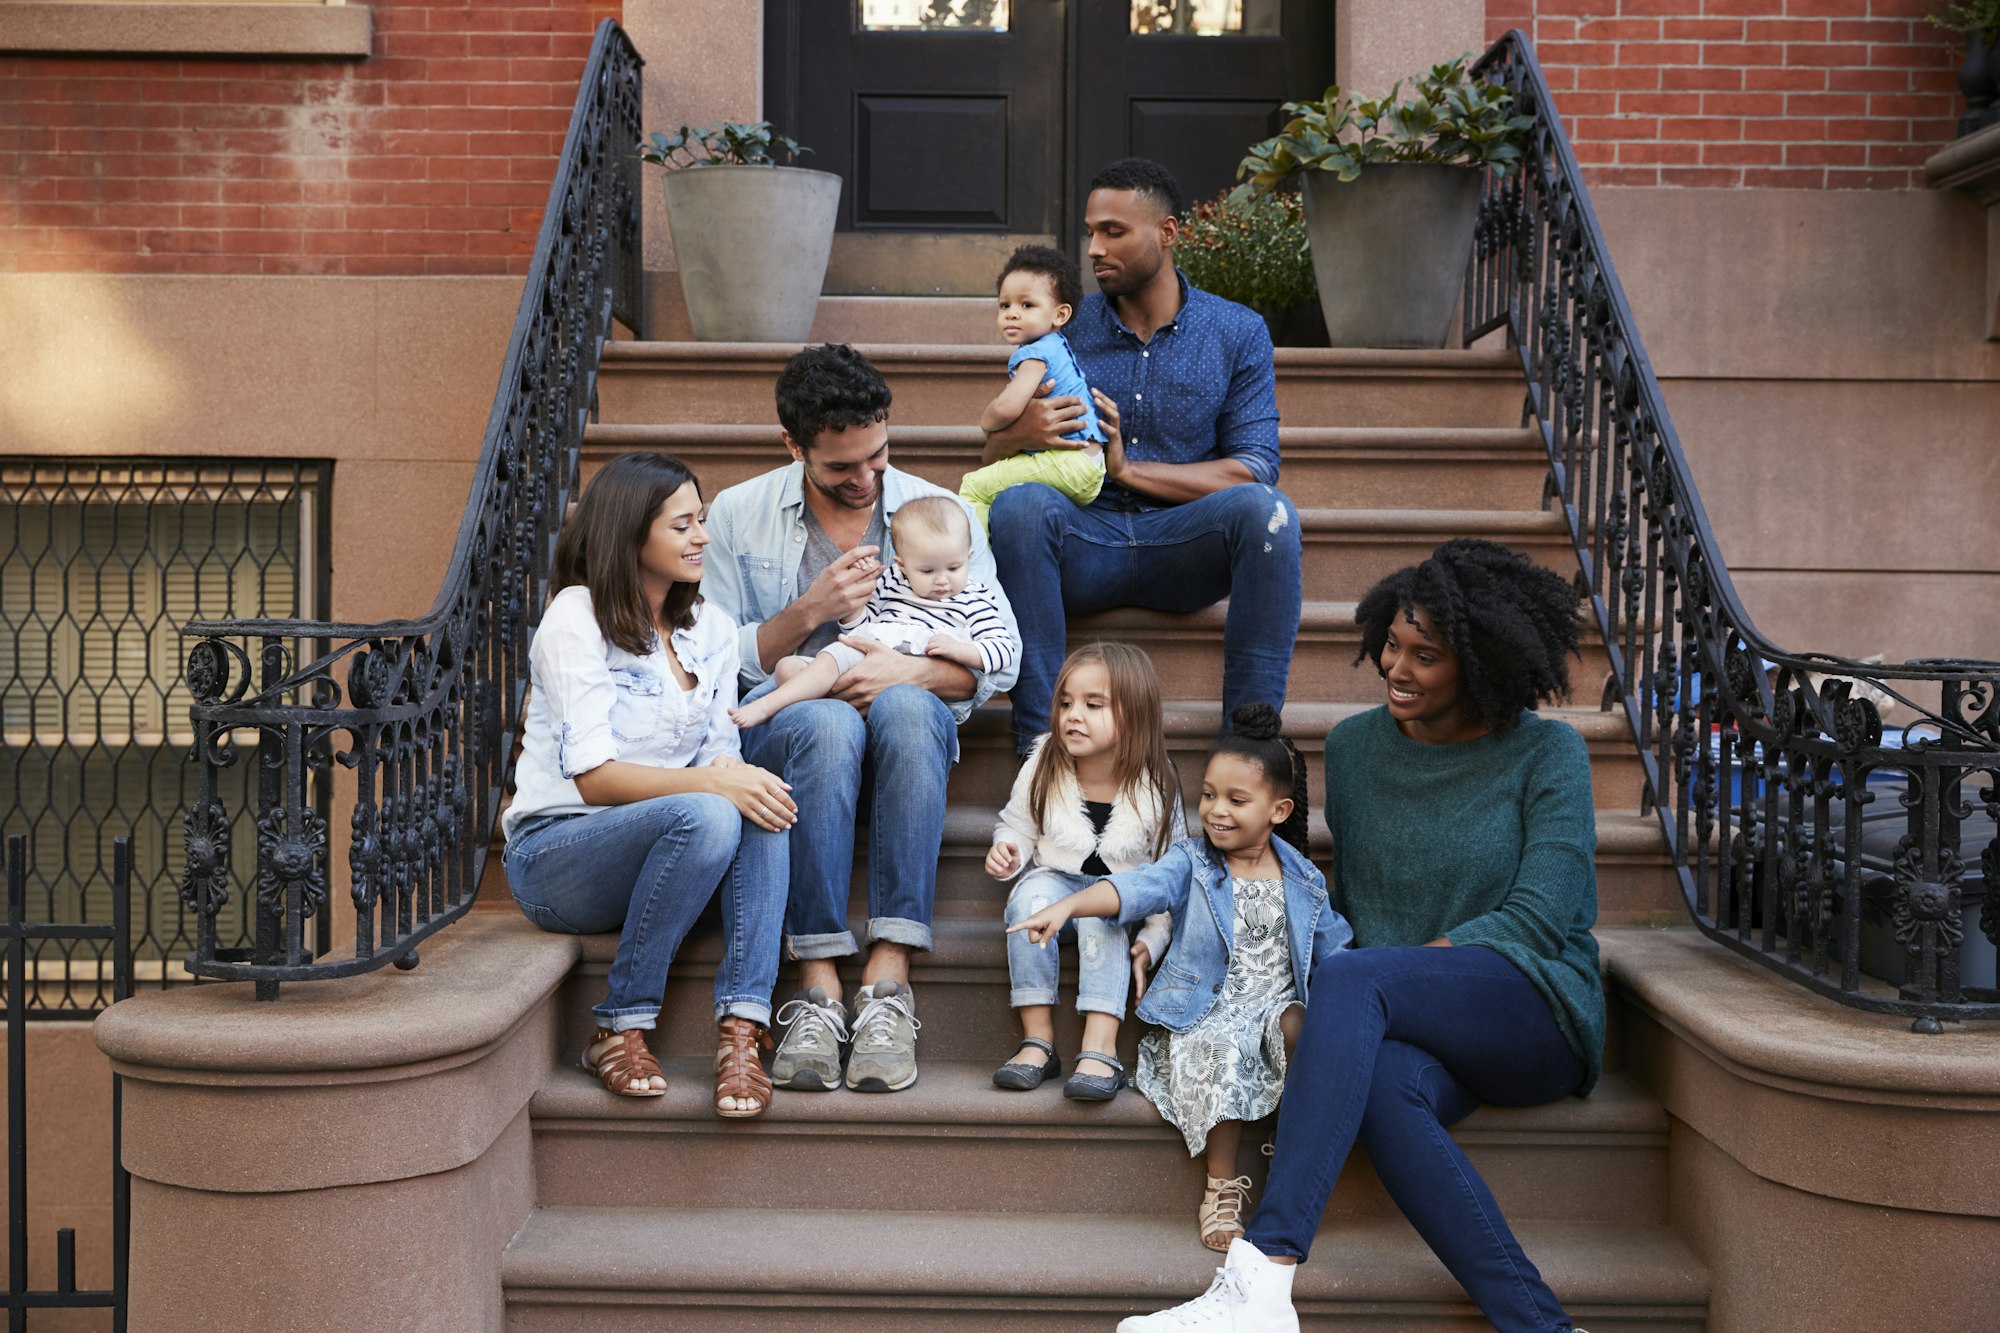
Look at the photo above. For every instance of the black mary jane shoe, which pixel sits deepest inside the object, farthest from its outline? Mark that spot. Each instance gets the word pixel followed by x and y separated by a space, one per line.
pixel 1018 1077
pixel 1084 1087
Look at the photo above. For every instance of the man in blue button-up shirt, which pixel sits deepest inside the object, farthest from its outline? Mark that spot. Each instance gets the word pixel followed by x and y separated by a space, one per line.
pixel 1190 512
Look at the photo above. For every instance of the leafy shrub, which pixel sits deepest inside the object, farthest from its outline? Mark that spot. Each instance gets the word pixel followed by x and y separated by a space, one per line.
pixel 1968 16
pixel 1251 250
pixel 723 144
pixel 1451 119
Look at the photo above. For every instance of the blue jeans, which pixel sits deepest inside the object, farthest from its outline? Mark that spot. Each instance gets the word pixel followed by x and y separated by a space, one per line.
pixel 1103 958
pixel 895 760
pixel 1058 559
pixel 646 870
pixel 1396 1045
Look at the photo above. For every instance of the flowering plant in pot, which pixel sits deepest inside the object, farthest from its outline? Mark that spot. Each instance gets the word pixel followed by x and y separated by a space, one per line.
pixel 1979 76
pixel 1392 187
pixel 1254 251
pixel 751 236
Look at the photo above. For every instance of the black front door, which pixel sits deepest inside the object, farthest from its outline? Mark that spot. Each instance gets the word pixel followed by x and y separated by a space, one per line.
pixel 965 127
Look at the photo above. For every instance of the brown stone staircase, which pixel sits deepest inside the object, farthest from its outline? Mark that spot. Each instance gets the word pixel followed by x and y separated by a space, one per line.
pixel 952 1205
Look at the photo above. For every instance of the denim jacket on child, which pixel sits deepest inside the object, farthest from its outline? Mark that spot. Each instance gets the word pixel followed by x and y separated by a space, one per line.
pixel 1192 884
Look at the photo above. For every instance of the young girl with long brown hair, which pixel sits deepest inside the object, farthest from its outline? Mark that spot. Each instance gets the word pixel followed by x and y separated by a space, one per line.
pixel 1095 796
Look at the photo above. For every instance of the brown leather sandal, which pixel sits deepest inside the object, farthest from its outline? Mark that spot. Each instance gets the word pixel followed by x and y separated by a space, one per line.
pixel 738 1072
pixel 623 1064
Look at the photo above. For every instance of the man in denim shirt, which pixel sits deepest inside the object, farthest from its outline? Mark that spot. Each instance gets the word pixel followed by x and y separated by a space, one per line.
pixel 791 553
pixel 1191 511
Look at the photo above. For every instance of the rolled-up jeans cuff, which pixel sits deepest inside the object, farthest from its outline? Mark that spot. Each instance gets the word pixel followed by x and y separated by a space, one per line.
pixel 899 930
pixel 1022 996
pixel 811 948
pixel 1097 1004
pixel 624 1020
pixel 757 1011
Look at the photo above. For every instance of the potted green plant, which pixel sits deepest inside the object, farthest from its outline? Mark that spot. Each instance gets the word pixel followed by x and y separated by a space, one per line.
pixel 1392 187
pixel 1979 76
pixel 1254 251
pixel 751 237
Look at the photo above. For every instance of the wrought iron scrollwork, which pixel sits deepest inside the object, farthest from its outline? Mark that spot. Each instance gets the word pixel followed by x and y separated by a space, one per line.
pixel 1760 763
pixel 428 707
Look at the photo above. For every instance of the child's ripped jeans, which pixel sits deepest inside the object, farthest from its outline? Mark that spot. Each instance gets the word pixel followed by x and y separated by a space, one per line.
pixel 1103 949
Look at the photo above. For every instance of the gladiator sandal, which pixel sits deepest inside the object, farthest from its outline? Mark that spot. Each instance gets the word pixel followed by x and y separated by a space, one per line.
pixel 1222 1205
pixel 738 1072
pixel 623 1064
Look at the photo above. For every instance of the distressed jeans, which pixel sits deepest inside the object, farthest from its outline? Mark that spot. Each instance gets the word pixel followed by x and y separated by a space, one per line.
pixel 1103 958
pixel 1397 1044
pixel 895 760
pixel 646 870
pixel 1058 559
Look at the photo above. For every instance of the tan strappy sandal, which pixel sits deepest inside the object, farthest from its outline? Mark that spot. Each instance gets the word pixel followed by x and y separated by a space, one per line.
pixel 739 1074
pixel 623 1064
pixel 1222 1205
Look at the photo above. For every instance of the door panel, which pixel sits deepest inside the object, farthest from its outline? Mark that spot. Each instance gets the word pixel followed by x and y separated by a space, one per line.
pixel 962 144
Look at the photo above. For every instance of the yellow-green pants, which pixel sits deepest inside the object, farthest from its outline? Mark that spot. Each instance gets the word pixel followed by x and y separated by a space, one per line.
pixel 1076 474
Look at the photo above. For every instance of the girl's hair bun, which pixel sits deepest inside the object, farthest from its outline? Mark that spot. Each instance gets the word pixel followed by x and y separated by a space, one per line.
pixel 1256 722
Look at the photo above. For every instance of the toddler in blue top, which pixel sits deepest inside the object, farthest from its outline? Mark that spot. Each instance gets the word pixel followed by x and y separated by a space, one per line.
pixel 1039 291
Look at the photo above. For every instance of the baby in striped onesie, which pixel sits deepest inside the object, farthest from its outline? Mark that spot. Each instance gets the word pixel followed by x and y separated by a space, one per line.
pixel 924 605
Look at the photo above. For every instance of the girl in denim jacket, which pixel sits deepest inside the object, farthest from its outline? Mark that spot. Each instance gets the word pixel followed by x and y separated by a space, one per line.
pixel 1096 795
pixel 1250 922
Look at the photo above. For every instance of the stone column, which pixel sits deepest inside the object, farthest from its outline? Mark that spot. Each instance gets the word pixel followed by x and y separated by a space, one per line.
pixel 353 1155
pixel 1380 41
pixel 1972 165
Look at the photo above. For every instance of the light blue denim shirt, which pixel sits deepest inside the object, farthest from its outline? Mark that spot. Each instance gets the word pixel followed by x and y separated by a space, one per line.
pixel 1191 883
pixel 757 539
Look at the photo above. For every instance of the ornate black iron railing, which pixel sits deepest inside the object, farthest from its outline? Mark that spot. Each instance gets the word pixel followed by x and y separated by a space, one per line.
pixel 1761 763
pixel 414 751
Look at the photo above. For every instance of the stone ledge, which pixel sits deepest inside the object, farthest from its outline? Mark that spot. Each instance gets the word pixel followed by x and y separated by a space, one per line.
pixel 1801 1091
pixel 1972 165
pixel 304 30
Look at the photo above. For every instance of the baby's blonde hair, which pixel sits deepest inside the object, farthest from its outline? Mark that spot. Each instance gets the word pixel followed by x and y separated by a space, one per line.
pixel 939 515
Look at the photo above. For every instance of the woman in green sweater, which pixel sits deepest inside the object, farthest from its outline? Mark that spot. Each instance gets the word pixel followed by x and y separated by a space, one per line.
pixel 1463 855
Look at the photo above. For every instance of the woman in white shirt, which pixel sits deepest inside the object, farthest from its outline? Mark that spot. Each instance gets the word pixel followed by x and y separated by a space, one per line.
pixel 633 803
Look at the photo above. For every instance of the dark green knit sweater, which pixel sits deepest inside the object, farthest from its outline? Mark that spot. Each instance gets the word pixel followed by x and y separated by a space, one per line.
pixel 1490 842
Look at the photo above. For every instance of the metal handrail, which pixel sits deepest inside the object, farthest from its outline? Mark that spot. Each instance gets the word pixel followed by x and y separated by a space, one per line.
pixel 430 706
pixel 1758 760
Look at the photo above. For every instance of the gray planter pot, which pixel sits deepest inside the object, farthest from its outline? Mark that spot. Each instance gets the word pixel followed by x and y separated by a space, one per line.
pixel 1390 250
pixel 752 244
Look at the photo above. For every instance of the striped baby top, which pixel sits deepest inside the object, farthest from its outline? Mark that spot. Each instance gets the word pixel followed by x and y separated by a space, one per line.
pixel 972 615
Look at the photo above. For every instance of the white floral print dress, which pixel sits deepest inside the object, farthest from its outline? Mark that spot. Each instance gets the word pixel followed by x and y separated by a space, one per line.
pixel 1231 1064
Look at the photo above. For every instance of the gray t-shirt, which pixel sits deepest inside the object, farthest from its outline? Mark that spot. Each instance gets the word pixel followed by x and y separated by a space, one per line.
pixel 821 552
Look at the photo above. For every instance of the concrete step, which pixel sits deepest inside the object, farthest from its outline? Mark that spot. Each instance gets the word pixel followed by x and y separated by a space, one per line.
pixel 824 1270
pixel 1596 1159
pixel 948 384
pixel 961 986
pixel 1347 551
pixel 986 766
pixel 1398 467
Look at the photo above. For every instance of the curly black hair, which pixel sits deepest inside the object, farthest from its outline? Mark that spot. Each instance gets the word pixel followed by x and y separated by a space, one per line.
pixel 829 388
pixel 1046 262
pixel 1512 623
pixel 1256 733
pixel 1147 177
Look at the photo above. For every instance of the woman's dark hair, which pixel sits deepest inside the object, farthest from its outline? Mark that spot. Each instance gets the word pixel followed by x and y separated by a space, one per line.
pixel 1512 623
pixel 599 548
pixel 829 388
pixel 1045 261
pixel 1145 176
pixel 1256 734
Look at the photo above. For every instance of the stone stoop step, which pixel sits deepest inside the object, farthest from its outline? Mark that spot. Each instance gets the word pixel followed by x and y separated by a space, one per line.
pixel 945 384
pixel 1368 468
pixel 827 1270
pixel 953 1142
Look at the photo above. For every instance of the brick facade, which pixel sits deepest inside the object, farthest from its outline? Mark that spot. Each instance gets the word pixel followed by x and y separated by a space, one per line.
pixel 432 156
pixel 1802 94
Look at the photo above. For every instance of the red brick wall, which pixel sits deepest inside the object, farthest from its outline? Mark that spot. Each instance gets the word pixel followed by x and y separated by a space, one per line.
pixel 1806 94
pixel 433 155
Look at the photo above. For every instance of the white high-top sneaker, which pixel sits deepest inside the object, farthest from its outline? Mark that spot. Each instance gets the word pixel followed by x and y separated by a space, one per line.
pixel 1250 1294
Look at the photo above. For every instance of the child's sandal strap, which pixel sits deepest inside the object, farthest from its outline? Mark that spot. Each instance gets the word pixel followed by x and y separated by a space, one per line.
pixel 1117 1065
pixel 1047 1048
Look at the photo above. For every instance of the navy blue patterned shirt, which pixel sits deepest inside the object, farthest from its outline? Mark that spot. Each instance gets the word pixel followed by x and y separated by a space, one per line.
pixel 1203 388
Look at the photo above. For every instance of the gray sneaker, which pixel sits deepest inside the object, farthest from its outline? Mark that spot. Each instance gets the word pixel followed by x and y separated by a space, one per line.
pixel 808 1056
pixel 884 1055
